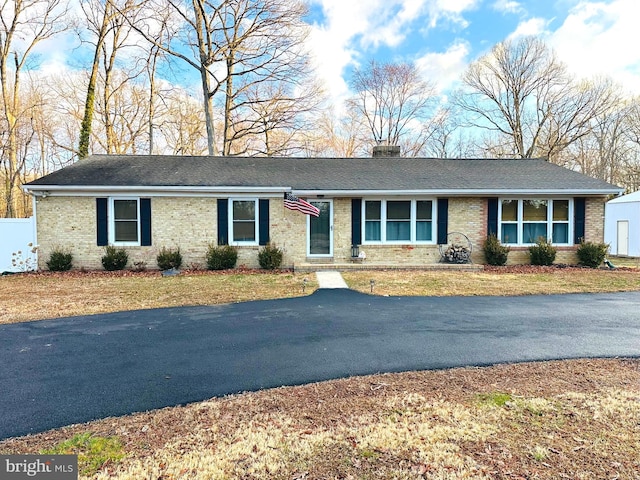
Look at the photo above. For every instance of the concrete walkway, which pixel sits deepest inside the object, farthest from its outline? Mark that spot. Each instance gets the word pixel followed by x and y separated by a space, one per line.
pixel 330 279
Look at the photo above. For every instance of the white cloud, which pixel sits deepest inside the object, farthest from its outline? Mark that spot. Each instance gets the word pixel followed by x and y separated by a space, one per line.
pixel 601 38
pixel 451 11
pixel 507 6
pixel 445 69
pixel 331 55
pixel 533 26
pixel 391 25
pixel 55 53
pixel 351 28
pixel 456 6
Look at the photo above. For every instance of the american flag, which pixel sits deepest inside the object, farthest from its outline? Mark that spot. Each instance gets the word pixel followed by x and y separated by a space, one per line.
pixel 294 203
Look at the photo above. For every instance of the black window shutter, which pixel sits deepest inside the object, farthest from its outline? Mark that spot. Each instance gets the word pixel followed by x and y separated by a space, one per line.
pixel 492 216
pixel 263 221
pixel 356 221
pixel 579 210
pixel 223 221
pixel 102 229
pixel 145 222
pixel 443 220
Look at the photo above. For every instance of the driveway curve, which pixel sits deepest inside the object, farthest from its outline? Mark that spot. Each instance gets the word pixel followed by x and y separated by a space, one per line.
pixel 71 370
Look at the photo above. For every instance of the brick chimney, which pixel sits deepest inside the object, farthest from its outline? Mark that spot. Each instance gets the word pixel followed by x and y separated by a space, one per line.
pixel 386 151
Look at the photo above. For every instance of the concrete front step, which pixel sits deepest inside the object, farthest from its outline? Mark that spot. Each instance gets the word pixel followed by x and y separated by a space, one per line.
pixel 315 267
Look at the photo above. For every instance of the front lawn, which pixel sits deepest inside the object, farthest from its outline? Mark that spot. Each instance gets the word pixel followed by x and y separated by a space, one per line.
pixel 546 420
pixel 550 420
pixel 36 296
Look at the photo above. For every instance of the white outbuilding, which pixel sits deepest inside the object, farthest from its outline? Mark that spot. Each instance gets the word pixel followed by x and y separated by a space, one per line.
pixel 622 225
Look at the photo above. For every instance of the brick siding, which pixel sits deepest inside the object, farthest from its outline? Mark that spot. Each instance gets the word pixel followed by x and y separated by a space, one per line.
pixel 191 224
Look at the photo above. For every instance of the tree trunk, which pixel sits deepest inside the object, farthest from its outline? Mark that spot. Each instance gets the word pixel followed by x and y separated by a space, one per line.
pixel 89 106
pixel 152 96
pixel 200 24
pixel 10 104
pixel 228 106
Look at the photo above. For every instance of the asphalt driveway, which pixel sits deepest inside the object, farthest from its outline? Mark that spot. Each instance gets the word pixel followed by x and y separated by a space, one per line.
pixel 65 371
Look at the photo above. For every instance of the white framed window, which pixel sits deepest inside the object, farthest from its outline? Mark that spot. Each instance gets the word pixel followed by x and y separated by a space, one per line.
pixel 373 221
pixel 399 221
pixel 560 222
pixel 398 224
pixel 124 215
pixel 243 221
pixel 524 221
pixel 424 220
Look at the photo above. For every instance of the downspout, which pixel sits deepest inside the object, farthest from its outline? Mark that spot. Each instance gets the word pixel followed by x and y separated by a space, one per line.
pixel 35 231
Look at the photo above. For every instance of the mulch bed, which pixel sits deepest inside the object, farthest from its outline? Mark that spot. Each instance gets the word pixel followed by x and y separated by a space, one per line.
pixel 506 269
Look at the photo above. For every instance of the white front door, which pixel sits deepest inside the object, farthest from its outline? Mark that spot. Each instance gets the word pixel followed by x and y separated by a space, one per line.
pixel 623 237
pixel 320 230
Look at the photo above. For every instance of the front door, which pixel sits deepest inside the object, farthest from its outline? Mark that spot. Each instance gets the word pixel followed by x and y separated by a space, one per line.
pixel 320 230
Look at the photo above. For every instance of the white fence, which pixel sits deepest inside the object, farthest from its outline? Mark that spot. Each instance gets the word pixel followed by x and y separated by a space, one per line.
pixel 15 236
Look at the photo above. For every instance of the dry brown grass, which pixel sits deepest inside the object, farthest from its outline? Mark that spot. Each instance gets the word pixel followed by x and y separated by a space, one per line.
pixel 495 282
pixel 575 419
pixel 550 420
pixel 47 295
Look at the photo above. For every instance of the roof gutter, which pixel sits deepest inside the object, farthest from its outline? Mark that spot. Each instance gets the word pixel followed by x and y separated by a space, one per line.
pixel 458 192
pixel 91 190
pixel 86 190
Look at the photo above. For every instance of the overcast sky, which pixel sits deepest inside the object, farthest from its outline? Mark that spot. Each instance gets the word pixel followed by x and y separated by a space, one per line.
pixel 443 36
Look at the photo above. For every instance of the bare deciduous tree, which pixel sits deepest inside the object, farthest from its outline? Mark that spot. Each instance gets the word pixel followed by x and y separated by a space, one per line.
pixel 632 131
pixel 23 24
pixel 631 168
pixel 271 120
pixel 124 115
pixel 445 137
pixel 523 94
pixel 603 151
pixel 106 21
pixel 182 124
pixel 265 67
pixel 395 102
pixel 234 45
pixel 333 135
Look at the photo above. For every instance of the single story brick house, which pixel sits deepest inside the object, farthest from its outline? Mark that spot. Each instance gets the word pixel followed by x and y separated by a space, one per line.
pixel 395 210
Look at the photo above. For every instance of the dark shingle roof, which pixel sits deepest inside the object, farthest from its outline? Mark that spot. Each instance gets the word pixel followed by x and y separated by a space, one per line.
pixel 328 174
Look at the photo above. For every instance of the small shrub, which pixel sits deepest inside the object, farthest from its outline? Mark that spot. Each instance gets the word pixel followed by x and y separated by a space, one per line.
pixel 591 254
pixel 139 266
pixel 270 257
pixel 169 258
pixel 60 260
pixel 221 257
pixel 25 262
pixel 114 258
pixel 494 252
pixel 542 253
